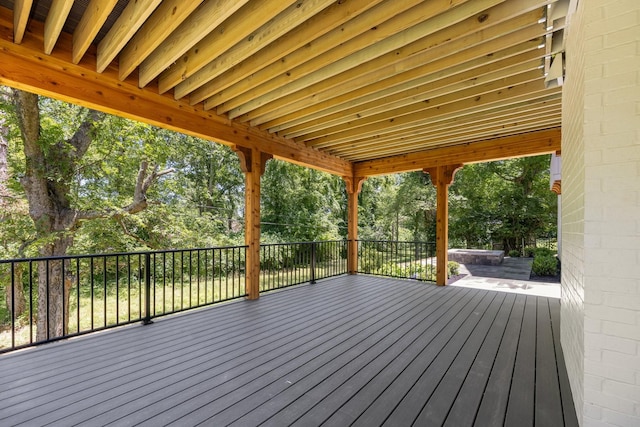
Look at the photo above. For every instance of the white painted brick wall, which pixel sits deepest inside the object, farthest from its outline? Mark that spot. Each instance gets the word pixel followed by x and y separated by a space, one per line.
pixel 600 329
pixel 601 212
pixel 573 324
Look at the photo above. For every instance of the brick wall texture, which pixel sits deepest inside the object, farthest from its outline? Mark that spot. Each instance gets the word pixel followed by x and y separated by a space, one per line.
pixel 601 212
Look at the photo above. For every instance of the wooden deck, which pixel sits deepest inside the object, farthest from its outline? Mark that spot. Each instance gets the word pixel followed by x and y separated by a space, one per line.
pixel 353 350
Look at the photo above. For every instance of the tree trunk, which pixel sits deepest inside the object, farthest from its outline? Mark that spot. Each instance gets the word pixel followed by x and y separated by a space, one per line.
pixel 14 293
pixel 53 292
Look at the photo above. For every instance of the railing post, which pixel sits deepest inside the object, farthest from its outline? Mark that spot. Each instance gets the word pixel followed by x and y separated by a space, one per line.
pixel 313 262
pixel 147 290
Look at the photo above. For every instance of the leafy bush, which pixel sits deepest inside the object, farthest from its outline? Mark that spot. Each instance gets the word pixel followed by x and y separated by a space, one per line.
pixel 529 251
pixel 542 252
pixel 453 268
pixel 514 253
pixel 545 265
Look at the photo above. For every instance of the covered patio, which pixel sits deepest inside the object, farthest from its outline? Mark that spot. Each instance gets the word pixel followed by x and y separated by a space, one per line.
pixel 351 350
pixel 360 88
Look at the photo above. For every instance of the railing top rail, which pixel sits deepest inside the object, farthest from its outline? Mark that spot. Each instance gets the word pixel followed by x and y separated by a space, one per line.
pixel 303 243
pixel 114 254
pixel 421 242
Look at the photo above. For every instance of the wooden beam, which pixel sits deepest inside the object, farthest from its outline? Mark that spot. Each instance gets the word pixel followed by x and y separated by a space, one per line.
pixel 436 69
pixel 387 19
pixel 293 16
pixel 442 177
pixel 166 18
pixel 58 13
pixel 439 131
pixel 474 99
pixel 247 20
pixel 129 22
pixel 21 11
pixel 354 186
pixel 435 86
pixel 430 34
pixel 25 67
pixel 194 29
pixel 441 43
pixel 92 20
pixel 337 21
pixel 252 163
pixel 527 144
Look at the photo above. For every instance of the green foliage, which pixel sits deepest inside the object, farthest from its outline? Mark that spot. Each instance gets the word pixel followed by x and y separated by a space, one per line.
pixel 514 253
pixel 453 268
pixel 301 204
pixel 502 202
pixel 543 252
pixel 545 265
pixel 529 251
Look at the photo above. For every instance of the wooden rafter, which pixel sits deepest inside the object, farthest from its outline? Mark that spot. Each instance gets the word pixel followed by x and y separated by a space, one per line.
pixel 317 82
pixel 528 144
pixel 55 21
pixel 96 14
pixel 24 67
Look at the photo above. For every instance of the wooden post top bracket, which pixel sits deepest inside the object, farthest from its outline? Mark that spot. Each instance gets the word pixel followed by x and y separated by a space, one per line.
pixel 445 174
pixel 245 155
pixel 354 183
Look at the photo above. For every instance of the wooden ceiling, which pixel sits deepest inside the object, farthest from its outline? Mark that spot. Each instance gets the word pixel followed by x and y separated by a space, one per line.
pixel 336 85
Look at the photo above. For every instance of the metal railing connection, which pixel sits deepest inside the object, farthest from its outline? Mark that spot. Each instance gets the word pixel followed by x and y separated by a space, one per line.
pixel 406 260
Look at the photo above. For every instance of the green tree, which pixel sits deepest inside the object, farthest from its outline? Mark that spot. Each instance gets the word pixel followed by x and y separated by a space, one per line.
pixel 64 189
pixel 300 204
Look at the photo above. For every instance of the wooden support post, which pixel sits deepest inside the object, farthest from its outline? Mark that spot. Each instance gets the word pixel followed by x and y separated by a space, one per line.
pixel 442 177
pixel 252 163
pixel 354 186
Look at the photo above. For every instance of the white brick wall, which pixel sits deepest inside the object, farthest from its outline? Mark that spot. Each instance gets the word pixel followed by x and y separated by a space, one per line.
pixel 573 325
pixel 601 235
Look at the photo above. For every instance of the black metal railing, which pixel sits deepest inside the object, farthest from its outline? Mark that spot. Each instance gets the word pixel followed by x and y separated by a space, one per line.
pixel 86 293
pixel 288 264
pixel 407 260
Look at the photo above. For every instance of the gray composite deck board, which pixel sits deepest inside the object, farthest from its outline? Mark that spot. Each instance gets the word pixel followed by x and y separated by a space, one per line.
pixel 351 350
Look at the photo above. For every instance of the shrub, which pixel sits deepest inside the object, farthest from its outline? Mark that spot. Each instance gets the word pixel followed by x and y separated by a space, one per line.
pixel 542 252
pixel 514 253
pixel 530 251
pixel 453 268
pixel 545 265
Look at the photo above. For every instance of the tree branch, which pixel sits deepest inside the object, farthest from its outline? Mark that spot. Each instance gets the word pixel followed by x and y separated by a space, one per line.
pixel 139 203
pixel 81 140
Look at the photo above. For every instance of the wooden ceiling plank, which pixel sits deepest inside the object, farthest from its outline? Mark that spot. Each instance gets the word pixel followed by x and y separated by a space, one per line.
pixel 419 142
pixel 422 93
pixel 291 17
pixel 435 31
pixel 162 22
pixel 92 20
pixel 21 11
pixel 241 25
pixel 24 67
pixel 130 20
pixel 389 18
pixel 398 82
pixel 413 148
pixel 502 96
pixel 528 144
pixel 412 56
pixel 452 125
pixel 57 16
pixel 475 92
pixel 331 27
pixel 206 28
